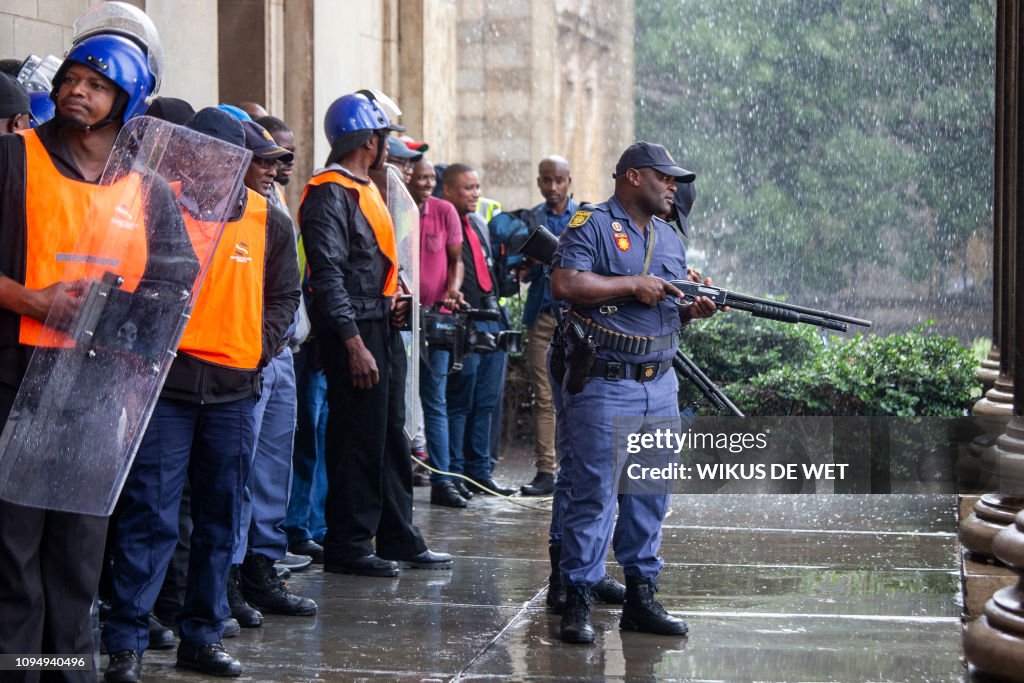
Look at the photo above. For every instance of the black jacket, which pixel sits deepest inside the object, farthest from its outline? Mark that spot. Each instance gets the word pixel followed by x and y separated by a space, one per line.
pixel 348 270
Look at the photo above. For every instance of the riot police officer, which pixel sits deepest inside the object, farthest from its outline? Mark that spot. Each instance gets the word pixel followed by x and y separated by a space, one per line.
pixel 615 250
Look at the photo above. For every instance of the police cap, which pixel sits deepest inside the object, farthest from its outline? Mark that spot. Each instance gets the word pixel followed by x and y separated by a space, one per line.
pixel 647 155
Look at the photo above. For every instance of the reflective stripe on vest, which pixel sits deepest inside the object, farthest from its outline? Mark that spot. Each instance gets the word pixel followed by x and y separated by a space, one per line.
pixel 377 215
pixel 488 208
pixel 60 246
pixel 226 327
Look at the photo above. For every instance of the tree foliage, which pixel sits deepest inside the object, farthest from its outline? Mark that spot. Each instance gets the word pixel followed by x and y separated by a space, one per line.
pixel 829 136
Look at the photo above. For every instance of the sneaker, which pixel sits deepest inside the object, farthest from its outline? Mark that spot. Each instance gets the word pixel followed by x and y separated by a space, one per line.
pixel 293 562
pixel 310 548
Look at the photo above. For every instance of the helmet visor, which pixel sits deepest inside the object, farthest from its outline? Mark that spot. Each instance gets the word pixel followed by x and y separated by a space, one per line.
pixel 129 21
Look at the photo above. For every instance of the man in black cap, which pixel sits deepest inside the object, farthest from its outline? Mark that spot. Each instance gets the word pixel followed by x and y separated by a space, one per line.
pixel 619 249
pixel 14 105
pixel 203 430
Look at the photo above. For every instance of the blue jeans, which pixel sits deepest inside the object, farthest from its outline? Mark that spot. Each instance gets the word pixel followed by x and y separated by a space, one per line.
pixel 433 384
pixel 305 520
pixel 266 492
pixel 473 395
pixel 211 445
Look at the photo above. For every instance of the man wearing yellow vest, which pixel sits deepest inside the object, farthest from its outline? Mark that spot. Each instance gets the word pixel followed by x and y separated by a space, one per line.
pixel 350 247
pixel 50 561
pixel 203 428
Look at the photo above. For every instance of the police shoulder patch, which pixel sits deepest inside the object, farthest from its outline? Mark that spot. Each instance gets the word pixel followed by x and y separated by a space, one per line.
pixel 579 218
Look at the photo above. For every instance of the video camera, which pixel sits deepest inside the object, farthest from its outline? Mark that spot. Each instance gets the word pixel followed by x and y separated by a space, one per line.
pixel 454 332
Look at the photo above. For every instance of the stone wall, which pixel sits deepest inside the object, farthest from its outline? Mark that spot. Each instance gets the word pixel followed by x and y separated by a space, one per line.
pixel 543 77
pixel 498 84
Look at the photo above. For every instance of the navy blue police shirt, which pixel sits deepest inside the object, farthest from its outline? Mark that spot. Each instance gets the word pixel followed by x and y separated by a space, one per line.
pixel 602 239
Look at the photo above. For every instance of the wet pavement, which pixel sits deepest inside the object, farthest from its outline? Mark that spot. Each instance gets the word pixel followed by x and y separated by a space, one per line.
pixel 774 588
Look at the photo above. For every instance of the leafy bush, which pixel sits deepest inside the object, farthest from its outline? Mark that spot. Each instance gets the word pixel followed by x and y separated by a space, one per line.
pixel 900 374
pixel 735 347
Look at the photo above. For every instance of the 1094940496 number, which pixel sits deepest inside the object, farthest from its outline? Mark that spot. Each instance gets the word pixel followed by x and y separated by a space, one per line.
pixel 45 662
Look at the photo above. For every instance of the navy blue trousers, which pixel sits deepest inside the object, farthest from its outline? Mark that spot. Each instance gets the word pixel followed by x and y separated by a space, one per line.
pixel 210 445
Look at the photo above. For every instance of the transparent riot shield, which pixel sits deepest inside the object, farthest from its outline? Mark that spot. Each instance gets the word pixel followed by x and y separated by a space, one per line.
pixel 406 217
pixel 131 272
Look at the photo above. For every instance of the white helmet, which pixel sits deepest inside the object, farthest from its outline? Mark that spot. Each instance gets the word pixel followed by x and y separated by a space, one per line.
pixel 129 21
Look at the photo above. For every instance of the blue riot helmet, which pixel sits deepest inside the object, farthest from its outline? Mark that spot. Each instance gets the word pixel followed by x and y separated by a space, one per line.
pixel 42 106
pixel 122 61
pixel 120 18
pixel 352 119
pixel 355 112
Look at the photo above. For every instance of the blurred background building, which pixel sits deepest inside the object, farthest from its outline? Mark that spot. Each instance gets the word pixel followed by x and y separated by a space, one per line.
pixel 498 84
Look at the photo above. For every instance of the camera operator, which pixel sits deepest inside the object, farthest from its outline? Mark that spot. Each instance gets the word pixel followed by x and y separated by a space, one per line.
pixel 474 392
pixel 441 275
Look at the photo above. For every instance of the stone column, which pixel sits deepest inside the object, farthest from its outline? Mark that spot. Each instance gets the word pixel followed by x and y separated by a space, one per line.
pixel 427 90
pixel 997 403
pixel 994 643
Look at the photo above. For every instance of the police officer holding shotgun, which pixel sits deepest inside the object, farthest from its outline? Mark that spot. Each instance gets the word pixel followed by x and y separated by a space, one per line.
pixel 618 364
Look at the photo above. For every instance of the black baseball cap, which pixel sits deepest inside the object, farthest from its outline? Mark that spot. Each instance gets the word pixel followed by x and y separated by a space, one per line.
pixel 13 97
pixel 171 109
pixel 262 143
pixel 218 124
pixel 647 155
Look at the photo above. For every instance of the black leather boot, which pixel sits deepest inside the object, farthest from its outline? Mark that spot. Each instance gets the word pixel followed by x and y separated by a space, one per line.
pixel 643 613
pixel 609 591
pixel 211 659
pixel 556 592
pixel 263 589
pixel 245 614
pixel 124 667
pixel 576 627
pixel 542 485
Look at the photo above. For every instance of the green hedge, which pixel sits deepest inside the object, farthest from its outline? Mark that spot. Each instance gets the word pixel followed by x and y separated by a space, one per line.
pixel 770 368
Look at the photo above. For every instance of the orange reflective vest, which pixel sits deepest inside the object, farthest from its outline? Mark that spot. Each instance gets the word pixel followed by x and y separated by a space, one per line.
pixel 226 326
pixel 376 211
pixel 77 230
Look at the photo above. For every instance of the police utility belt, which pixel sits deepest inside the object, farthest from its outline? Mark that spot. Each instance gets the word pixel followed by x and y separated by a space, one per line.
pixel 624 343
pixel 581 363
